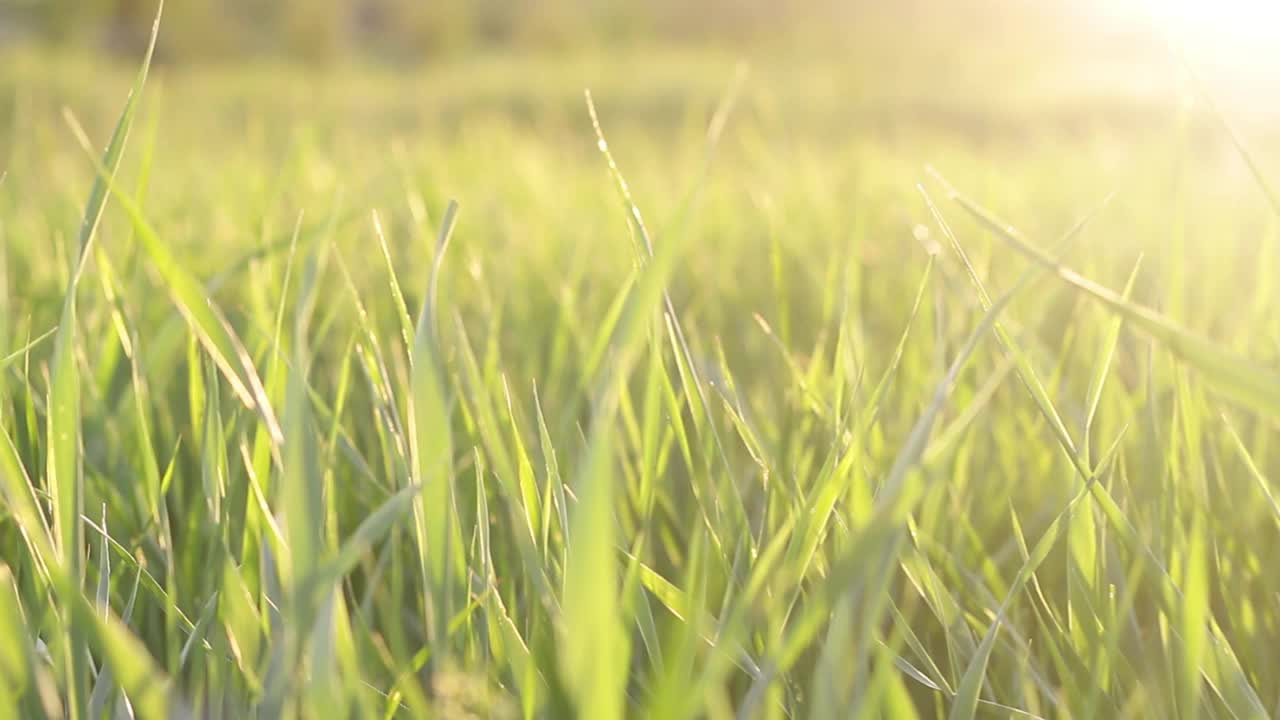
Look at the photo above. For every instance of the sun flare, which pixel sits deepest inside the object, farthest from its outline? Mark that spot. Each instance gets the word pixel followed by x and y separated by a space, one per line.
pixel 1247 29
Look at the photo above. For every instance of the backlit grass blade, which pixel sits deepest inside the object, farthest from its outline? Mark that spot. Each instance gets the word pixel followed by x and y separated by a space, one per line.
pixel 62 475
pixel 601 342
pixel 1106 355
pixel 242 624
pixel 710 630
pixel 203 315
pixel 1082 536
pixel 22 506
pixel 965 704
pixel 524 468
pixel 113 154
pixel 431 446
pixel 555 486
pixel 874 554
pixel 146 686
pixel 1194 620
pixel 1021 361
pixel 104 684
pixel 893 496
pixel 375 526
pixel 402 310
pixel 1234 376
pixel 508 647
pixel 874 401
pixel 63 469
pixel 301 504
pixel 1239 693
pixel 16 658
pixel 1259 177
pixel 22 351
pixel 199 631
pixel 690 374
pixel 594 650
pixel 1264 485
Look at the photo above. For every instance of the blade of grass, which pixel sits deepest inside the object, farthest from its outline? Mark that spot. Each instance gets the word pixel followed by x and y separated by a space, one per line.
pixel 966 700
pixel 1234 376
pixel 1102 369
pixel 205 318
pixel 28 347
pixel 16 658
pixel 1237 141
pixel 1236 691
pixel 63 470
pixel 431 447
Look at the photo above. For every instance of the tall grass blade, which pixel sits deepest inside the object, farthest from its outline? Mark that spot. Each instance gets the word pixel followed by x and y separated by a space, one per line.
pixel 63 469
pixel 431 446
pixel 1234 376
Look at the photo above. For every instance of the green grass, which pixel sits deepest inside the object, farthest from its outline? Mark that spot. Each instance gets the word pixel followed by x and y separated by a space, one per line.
pixel 709 397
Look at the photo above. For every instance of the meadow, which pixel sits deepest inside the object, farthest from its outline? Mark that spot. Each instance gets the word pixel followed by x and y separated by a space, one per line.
pixel 794 387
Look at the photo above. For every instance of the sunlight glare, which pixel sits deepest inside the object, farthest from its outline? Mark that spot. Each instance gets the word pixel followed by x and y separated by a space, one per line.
pixel 1246 29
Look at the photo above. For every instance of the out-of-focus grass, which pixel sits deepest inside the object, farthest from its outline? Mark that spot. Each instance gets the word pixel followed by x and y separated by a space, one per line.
pixel 722 421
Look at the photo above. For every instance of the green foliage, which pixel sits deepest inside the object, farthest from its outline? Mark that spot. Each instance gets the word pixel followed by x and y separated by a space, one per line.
pixel 707 413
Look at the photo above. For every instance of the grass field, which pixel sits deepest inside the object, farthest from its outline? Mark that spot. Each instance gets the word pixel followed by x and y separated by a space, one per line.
pixel 809 393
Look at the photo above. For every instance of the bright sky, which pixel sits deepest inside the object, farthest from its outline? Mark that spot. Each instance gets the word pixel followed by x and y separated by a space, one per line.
pixel 1234 45
pixel 1246 32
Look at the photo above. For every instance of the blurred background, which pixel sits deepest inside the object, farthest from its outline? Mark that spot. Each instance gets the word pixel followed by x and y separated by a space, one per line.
pixel 409 30
pixel 977 66
pixel 939 60
pixel 1010 86
pixel 286 101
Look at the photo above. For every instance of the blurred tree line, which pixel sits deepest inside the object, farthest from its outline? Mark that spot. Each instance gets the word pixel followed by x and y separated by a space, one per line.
pixel 416 30
pixel 409 30
pixel 394 29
